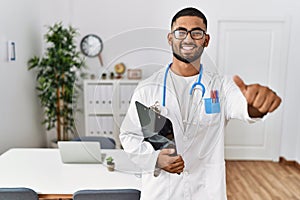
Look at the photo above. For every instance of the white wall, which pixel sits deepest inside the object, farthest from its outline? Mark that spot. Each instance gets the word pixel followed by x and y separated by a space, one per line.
pixel 120 24
pixel 291 130
pixel 133 32
pixel 20 114
pixel 290 147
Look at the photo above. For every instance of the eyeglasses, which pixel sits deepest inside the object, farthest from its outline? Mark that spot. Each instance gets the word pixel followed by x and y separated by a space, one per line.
pixel 196 33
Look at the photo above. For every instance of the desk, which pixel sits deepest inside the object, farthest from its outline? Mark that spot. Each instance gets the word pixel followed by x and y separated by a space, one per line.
pixel 43 171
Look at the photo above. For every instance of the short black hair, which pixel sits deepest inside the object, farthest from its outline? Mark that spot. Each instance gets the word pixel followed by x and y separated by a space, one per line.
pixel 190 11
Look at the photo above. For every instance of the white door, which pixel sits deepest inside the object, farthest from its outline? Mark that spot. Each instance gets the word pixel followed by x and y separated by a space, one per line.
pixel 253 49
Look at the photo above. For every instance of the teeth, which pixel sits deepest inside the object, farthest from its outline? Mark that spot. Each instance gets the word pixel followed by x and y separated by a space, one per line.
pixel 187 47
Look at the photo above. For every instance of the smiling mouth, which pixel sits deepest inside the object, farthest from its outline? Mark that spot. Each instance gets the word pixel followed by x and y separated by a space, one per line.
pixel 187 49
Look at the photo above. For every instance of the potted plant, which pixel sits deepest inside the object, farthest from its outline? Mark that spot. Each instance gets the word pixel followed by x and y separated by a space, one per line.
pixel 110 163
pixel 57 72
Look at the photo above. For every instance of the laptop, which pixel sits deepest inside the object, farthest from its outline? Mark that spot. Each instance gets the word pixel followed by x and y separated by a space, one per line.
pixel 157 129
pixel 80 152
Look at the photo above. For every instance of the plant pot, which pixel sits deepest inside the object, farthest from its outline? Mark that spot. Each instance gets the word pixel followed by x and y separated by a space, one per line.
pixel 111 167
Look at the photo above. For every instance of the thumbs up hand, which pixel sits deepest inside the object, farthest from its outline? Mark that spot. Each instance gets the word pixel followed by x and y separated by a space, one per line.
pixel 261 99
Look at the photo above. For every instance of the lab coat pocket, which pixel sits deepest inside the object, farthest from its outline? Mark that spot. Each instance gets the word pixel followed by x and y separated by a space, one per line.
pixel 215 181
pixel 212 106
pixel 152 187
pixel 210 113
pixel 210 119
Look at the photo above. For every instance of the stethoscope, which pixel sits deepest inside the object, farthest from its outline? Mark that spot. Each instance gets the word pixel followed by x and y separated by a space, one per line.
pixel 198 82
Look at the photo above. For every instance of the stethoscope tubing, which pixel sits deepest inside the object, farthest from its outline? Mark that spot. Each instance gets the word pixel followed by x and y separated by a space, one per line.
pixel 192 88
pixel 198 83
pixel 165 85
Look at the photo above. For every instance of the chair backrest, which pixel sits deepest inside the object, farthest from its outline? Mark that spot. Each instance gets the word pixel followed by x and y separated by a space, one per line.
pixel 116 194
pixel 105 142
pixel 18 194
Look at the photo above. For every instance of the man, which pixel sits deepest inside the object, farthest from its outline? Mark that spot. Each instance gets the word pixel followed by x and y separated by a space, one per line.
pixel 199 103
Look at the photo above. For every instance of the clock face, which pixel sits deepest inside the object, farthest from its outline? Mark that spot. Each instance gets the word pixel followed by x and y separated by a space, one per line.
pixel 91 45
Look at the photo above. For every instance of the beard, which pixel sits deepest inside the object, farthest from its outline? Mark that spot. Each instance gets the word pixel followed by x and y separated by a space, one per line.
pixel 188 59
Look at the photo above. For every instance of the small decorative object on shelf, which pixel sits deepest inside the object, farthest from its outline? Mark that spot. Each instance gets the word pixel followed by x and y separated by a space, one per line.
pixel 110 163
pixel 93 77
pixel 112 75
pixel 103 76
pixel 134 73
pixel 120 70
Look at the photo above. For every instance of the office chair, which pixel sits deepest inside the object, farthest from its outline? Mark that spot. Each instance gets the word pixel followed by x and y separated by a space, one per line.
pixel 105 142
pixel 116 194
pixel 18 194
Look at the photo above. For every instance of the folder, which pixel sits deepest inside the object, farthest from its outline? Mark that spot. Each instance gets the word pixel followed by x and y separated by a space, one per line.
pixel 157 129
pixel 91 99
pixel 123 98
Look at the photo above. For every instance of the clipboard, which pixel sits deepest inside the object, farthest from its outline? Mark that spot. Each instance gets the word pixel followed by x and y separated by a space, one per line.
pixel 157 129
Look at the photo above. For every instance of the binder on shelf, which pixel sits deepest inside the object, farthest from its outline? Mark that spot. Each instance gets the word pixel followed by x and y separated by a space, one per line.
pixel 131 90
pixel 121 120
pixel 126 92
pixel 108 97
pixel 123 97
pixel 90 98
pixel 100 125
pixel 97 99
pixel 110 125
pixel 102 103
pixel 91 125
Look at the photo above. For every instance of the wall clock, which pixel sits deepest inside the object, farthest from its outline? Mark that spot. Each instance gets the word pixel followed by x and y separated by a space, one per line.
pixel 91 45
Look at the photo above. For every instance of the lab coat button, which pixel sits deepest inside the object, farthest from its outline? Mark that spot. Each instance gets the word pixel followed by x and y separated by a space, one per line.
pixel 186 173
pixel 185 138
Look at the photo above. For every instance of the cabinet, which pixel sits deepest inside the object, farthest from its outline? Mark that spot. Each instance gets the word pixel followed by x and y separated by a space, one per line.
pixel 105 106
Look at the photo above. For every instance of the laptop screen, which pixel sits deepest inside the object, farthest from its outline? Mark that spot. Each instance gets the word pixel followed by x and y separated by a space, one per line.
pixel 80 152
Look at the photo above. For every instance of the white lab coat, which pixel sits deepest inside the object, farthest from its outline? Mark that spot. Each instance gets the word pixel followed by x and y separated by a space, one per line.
pixel 201 150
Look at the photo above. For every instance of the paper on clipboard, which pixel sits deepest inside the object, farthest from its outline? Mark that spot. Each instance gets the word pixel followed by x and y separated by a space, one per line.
pixel 157 129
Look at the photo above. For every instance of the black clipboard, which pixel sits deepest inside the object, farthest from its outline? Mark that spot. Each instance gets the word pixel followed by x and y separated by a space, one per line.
pixel 157 129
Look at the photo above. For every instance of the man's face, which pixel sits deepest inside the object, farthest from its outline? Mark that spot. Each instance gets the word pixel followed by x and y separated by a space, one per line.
pixel 188 50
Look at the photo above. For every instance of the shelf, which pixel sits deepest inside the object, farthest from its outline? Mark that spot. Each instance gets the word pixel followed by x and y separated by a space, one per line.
pixel 105 106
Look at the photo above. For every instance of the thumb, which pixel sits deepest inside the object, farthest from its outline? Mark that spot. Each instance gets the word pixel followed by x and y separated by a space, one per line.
pixel 240 83
pixel 167 151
